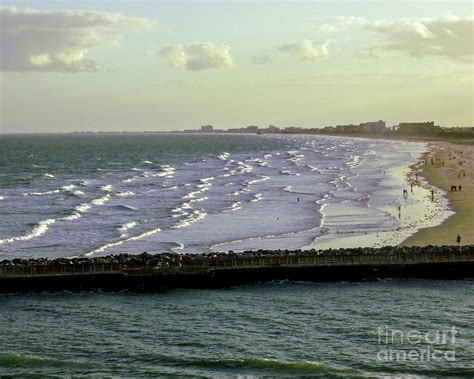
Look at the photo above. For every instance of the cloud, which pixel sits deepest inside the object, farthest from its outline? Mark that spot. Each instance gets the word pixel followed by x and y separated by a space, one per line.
pixel 35 40
pixel 326 28
pixel 196 56
pixel 306 50
pixel 261 59
pixel 451 37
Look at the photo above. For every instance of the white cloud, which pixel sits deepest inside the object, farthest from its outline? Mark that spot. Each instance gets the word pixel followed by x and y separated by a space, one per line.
pixel 451 37
pixel 306 50
pixel 196 56
pixel 326 28
pixel 35 40
pixel 261 59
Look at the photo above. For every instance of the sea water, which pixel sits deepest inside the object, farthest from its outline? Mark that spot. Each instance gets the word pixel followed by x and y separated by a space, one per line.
pixel 98 194
pixel 74 195
pixel 265 330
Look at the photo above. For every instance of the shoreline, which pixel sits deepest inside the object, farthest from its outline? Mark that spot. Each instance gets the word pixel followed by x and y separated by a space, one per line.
pixel 409 214
pixel 459 205
pixel 448 165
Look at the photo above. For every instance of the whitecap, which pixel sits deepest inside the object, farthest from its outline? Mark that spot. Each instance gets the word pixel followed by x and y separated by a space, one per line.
pixel 125 227
pixel 39 229
pixel 126 193
pixel 224 156
pixel 101 200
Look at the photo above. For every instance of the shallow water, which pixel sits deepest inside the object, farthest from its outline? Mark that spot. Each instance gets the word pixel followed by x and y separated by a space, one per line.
pixel 284 329
pixel 69 195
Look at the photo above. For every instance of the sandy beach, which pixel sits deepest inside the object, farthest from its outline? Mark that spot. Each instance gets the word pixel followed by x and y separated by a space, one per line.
pixel 447 165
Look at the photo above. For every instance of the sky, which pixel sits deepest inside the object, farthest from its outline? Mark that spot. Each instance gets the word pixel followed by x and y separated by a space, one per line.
pixel 171 65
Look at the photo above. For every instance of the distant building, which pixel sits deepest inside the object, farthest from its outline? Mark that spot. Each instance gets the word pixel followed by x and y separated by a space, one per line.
pixel 373 127
pixel 418 127
pixel 207 128
pixel 251 129
pixel 350 128
pixel 272 129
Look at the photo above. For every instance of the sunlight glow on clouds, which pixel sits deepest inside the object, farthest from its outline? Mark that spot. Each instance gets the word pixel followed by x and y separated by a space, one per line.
pixel 35 40
pixel 306 50
pixel 196 56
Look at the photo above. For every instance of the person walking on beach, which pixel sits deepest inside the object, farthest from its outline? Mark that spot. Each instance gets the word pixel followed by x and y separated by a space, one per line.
pixel 458 239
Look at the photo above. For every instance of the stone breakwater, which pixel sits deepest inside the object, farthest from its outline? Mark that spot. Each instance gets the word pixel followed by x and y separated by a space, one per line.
pixel 147 272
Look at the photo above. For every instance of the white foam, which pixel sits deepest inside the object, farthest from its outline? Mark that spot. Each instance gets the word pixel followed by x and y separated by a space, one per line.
pixel 125 194
pixel 101 200
pixel 39 229
pixel 107 188
pixel 124 228
pixel 46 193
pixel 224 156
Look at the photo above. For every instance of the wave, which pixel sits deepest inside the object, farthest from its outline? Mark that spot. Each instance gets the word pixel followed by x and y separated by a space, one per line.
pixel 147 162
pixel 118 243
pixel 15 361
pixel 39 229
pixel 126 207
pixel 275 366
pixel 46 193
pixel 191 219
pixel 234 207
pixel 126 193
pixel 101 200
pixel 123 229
pixel 2 197
pixel 262 179
pixel 68 188
pixel 106 188
pixel 50 176
pixel 288 172
pixel 257 197
pixel 224 156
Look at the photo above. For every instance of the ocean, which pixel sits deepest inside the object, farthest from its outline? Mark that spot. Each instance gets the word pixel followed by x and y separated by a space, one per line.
pixel 264 330
pixel 99 194
pixel 93 195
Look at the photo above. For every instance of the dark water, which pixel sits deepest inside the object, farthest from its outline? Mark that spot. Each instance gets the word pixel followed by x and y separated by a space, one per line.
pixel 276 329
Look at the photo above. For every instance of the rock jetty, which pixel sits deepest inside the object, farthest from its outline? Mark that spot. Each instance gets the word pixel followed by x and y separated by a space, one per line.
pixel 151 272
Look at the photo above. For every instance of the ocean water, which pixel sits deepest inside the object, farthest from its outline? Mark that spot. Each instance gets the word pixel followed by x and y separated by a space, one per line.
pixel 263 330
pixel 72 195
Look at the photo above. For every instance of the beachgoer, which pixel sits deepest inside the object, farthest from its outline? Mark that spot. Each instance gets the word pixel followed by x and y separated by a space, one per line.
pixel 298 199
pixel 458 239
pixel 460 187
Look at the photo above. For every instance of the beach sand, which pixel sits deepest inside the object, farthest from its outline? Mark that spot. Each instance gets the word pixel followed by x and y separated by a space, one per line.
pixel 458 169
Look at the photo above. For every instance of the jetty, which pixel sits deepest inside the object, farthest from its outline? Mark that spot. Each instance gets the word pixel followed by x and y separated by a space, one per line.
pixel 147 272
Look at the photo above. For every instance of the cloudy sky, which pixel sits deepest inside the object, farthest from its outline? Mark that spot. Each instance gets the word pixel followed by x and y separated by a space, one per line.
pixel 166 65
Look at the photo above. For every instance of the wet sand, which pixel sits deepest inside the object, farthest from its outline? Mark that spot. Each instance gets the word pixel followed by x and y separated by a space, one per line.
pixel 449 165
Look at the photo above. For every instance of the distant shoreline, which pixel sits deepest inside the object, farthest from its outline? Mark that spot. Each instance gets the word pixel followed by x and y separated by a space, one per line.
pixel 454 139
